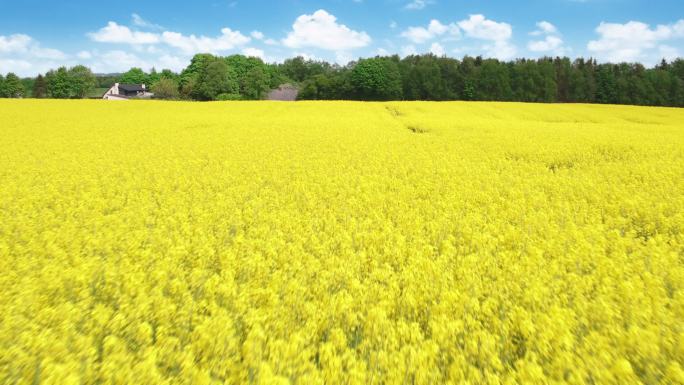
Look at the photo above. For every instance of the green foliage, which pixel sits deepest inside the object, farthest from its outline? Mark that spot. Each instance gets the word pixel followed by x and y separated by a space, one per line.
pixel 416 77
pixel 165 88
pixel 82 81
pixel 377 79
pixel 197 64
pixel 226 97
pixel 214 79
pixel 255 83
pixel 58 83
pixel 299 69
pixel 12 87
pixel 134 76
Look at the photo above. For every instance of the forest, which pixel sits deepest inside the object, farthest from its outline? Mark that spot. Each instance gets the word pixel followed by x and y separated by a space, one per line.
pixel 382 78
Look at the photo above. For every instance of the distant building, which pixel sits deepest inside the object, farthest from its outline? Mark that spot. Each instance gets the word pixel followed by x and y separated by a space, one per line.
pixel 286 93
pixel 127 91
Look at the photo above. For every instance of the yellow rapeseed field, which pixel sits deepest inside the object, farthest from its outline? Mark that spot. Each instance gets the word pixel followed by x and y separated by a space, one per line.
pixel 340 243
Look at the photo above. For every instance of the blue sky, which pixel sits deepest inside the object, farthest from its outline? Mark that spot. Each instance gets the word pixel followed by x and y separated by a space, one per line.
pixel 36 35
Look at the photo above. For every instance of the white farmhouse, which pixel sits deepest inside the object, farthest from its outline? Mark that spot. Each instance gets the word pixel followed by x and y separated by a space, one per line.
pixel 127 91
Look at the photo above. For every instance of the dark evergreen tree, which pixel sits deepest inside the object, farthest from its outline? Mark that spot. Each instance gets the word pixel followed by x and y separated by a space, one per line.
pixel 39 87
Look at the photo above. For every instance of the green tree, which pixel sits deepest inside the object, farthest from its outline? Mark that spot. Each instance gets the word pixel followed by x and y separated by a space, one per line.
pixel 82 81
pixel 215 79
pixel 549 87
pixel 165 88
pixel 2 87
pixel 40 87
pixel 13 87
pixel 606 90
pixel 58 83
pixel 255 83
pixel 422 78
pixel 377 79
pixel 198 63
pixel 168 74
pixel 494 81
pixel 299 69
pixel 134 76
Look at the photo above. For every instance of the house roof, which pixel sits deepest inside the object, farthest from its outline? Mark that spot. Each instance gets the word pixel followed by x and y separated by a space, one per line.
pixel 131 87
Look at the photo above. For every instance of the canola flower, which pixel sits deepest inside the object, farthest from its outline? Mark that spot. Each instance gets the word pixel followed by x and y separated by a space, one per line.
pixel 340 243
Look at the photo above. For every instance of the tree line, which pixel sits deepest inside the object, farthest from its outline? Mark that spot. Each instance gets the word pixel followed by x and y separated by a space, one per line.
pixel 547 80
pixel 416 77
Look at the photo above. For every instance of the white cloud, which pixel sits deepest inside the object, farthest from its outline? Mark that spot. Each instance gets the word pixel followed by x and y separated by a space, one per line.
pixel 142 23
pixel 435 29
pixel 15 43
pixel 633 41
pixel 678 28
pixel 545 28
pixel 84 55
pixel 192 44
pixel 417 4
pixel 502 50
pixel 174 63
pixel 478 27
pixel 25 56
pixel 381 52
pixel 437 49
pixel 253 52
pixel 551 43
pixel 119 61
pixel 115 33
pixel 497 33
pixel 668 53
pixel 116 61
pixel 258 35
pixel 47 53
pixel 187 44
pixel 321 30
pixel 408 50
pixel 307 56
pixel 343 57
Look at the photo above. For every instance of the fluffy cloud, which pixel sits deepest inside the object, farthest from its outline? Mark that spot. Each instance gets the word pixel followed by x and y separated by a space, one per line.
pixel 14 43
pixel 551 43
pixel 187 44
pixel 437 49
pixel 25 56
pixel 192 44
pixel 118 61
pixel 633 41
pixel 253 52
pixel 24 45
pixel 258 35
pixel 479 27
pixel 115 33
pixel 408 50
pixel 545 28
pixel 321 30
pixel 498 34
pixel 435 29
